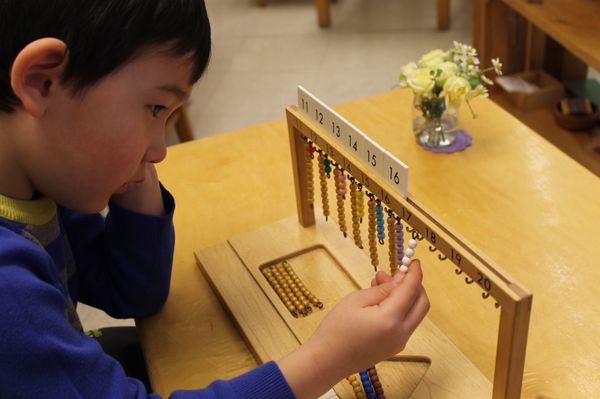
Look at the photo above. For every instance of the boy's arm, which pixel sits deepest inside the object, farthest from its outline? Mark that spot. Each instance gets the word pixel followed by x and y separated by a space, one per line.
pixel 44 356
pixel 124 262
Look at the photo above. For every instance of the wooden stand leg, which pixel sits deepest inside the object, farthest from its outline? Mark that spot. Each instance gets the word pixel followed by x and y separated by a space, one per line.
pixel 323 13
pixel 306 214
pixel 510 352
pixel 443 14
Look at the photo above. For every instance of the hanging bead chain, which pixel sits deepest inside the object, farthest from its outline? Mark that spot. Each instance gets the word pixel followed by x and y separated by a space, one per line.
pixel 380 222
pixel 355 215
pixel 377 387
pixel 290 289
pixel 327 164
pixel 360 203
pixel 391 222
pixel 323 180
pixel 399 242
pixel 310 183
pixel 340 190
pixel 410 251
pixel 372 229
pixel 356 386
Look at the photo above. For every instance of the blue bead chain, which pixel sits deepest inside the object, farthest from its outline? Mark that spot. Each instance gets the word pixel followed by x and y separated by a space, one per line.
pixel 368 387
pixel 380 223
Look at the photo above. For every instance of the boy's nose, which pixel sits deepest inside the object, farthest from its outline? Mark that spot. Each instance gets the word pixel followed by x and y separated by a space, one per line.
pixel 157 151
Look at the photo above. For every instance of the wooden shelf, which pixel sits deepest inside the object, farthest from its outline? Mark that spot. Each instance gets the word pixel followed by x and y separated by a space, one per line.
pixel 571 23
pixel 582 146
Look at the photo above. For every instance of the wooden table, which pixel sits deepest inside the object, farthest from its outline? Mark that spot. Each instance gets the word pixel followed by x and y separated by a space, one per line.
pixel 525 204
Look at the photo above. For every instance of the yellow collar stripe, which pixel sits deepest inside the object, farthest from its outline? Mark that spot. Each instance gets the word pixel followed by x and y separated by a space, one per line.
pixel 38 211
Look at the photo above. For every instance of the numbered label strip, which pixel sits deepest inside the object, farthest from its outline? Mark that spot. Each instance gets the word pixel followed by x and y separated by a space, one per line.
pixel 367 152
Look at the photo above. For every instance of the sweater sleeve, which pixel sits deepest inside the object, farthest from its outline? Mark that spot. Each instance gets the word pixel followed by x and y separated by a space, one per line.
pixel 43 356
pixel 124 261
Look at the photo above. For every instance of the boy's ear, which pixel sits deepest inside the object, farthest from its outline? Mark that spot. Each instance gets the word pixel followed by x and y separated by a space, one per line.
pixel 36 73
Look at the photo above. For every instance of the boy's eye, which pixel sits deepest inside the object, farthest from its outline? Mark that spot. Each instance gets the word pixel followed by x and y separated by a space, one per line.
pixel 155 110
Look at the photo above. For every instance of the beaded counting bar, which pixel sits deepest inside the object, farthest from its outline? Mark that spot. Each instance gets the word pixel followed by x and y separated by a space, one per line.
pixel 376 229
pixel 317 125
pixel 399 259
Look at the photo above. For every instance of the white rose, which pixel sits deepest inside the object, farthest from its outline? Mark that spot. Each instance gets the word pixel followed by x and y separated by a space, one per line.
pixel 406 70
pixel 455 90
pixel 432 59
pixel 448 69
pixel 421 81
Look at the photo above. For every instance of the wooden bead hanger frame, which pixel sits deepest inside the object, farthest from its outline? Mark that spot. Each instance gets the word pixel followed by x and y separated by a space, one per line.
pixel 318 124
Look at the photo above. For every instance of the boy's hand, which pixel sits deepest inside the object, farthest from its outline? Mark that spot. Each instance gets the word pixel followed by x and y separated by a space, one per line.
pixel 366 327
pixel 143 196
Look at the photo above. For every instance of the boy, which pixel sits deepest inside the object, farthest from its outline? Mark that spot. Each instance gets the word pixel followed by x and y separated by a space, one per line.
pixel 85 90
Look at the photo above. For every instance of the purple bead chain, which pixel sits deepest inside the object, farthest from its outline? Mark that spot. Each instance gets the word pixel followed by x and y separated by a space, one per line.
pixel 399 242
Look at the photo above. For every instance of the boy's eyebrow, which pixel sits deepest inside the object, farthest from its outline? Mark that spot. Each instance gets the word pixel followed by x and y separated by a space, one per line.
pixel 177 91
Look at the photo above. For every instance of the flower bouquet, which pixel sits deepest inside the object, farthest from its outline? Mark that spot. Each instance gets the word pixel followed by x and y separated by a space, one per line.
pixel 441 81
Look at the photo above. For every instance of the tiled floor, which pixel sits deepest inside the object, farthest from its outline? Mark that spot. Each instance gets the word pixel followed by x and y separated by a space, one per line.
pixel 260 55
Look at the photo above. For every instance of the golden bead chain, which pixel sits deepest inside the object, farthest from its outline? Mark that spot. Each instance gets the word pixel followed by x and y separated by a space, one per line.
pixel 290 289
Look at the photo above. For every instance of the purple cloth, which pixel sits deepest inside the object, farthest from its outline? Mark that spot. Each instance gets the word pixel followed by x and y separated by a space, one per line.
pixel 462 141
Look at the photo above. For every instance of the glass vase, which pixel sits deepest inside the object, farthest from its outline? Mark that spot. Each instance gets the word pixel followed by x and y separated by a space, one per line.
pixel 434 123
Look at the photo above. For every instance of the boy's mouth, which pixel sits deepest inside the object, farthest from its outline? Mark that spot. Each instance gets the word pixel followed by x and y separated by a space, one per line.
pixel 125 186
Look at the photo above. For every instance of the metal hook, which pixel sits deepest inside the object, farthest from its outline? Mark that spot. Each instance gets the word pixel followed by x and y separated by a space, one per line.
pixel 458 271
pixel 469 280
pixel 485 295
pixel 442 257
pixel 416 236
pixel 496 305
pixel 432 248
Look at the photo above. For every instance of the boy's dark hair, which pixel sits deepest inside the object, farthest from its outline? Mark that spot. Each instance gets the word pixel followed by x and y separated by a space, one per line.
pixel 101 35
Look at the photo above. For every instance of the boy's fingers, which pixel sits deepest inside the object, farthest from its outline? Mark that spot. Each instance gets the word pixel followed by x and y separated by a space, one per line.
pixel 374 295
pixel 404 287
pixel 382 278
pixel 406 292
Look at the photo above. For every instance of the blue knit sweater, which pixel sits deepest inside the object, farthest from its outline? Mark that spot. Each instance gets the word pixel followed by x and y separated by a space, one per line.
pixel 50 259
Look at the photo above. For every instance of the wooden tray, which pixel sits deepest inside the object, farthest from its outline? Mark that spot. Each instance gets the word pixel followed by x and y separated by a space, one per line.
pixel 331 267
